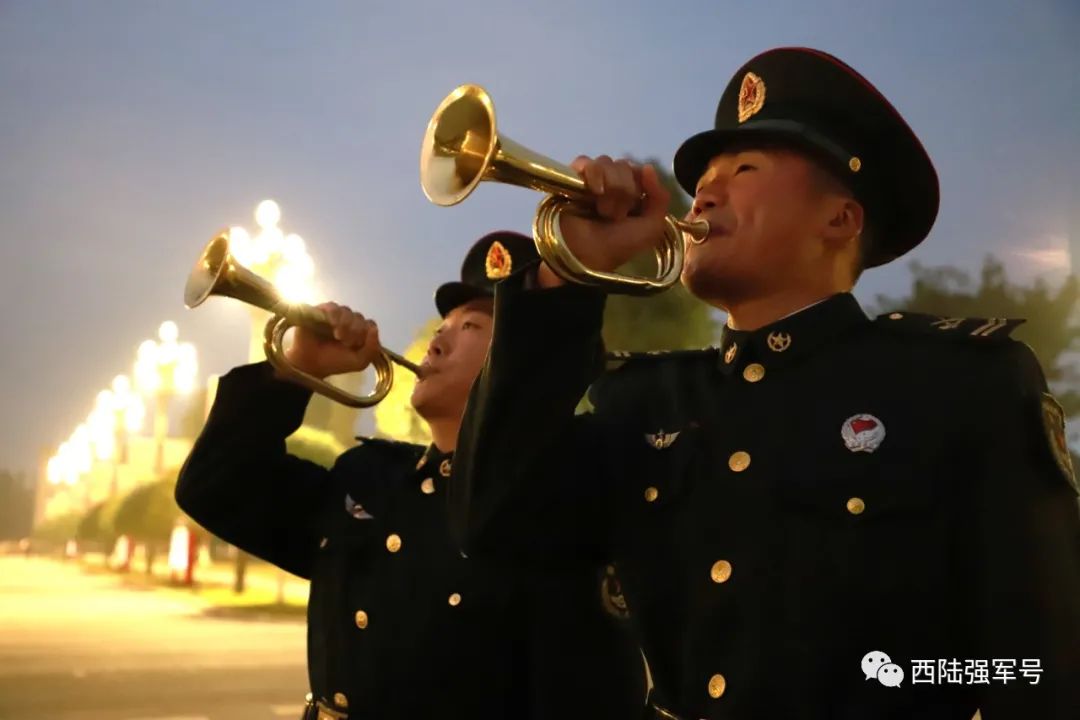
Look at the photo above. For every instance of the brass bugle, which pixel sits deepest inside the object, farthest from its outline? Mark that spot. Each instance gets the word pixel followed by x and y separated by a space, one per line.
pixel 217 272
pixel 463 148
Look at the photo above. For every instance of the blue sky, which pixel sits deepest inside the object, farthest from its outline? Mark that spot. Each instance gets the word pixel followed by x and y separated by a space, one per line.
pixel 132 131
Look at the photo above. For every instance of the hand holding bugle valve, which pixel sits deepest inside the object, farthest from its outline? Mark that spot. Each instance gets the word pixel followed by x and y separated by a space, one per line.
pixel 216 272
pixel 462 148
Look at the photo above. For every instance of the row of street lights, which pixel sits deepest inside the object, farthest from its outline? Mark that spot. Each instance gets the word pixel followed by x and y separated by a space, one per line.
pixel 163 368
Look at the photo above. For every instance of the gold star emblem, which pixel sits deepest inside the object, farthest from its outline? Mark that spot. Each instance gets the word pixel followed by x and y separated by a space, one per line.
pixel 779 341
pixel 751 96
pixel 498 262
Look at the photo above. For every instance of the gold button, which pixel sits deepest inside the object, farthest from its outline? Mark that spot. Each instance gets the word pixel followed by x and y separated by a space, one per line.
pixel 454 599
pixel 444 468
pixel 361 619
pixel 340 700
pixel 753 372
pixel 855 506
pixel 896 316
pixel 309 697
pixel 717 685
pixel 651 494
pixel 428 486
pixel 323 543
pixel 739 461
pixel 855 164
pixel 721 571
pixel 393 542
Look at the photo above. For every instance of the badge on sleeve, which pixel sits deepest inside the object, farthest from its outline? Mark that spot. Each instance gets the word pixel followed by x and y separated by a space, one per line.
pixel 863 433
pixel 661 440
pixel 1053 417
pixel 356 509
pixel 611 595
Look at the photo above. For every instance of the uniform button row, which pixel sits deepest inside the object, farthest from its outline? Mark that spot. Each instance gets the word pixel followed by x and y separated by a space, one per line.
pixel 362 620
pixel 738 462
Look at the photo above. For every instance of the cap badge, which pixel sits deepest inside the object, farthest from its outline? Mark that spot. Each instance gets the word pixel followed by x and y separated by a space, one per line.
pixel 498 261
pixel 751 96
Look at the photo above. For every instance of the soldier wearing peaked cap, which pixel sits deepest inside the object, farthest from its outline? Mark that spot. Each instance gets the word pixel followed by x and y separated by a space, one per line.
pixel 828 516
pixel 401 624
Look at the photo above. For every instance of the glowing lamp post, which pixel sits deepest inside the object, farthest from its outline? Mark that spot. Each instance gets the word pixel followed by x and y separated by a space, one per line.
pixel 163 369
pixel 117 413
pixel 282 259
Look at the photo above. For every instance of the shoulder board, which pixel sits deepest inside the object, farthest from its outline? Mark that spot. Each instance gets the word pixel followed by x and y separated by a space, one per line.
pixel 617 358
pixel 977 329
pixel 389 444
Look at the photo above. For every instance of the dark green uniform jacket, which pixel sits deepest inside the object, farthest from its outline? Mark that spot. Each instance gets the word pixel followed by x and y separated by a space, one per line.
pixel 787 507
pixel 400 624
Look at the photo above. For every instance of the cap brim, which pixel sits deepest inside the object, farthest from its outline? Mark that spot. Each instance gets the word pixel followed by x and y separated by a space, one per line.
pixel 904 203
pixel 693 156
pixel 454 294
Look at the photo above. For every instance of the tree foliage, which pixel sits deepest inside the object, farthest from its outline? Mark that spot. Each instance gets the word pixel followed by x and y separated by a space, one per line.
pixel 394 416
pixel 318 446
pixel 671 320
pixel 58 529
pixel 149 512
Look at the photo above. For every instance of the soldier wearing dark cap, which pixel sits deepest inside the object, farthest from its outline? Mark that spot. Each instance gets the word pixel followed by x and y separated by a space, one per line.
pixel 827 517
pixel 401 625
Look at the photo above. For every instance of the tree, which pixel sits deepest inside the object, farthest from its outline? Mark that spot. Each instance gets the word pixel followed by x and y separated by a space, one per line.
pixel 98 525
pixel 671 320
pixel 318 446
pixel 16 505
pixel 58 529
pixel 148 514
pixel 395 416
pixel 1051 328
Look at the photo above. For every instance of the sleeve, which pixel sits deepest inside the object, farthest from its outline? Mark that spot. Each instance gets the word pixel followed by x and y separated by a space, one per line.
pixel 528 480
pixel 239 482
pixel 1026 547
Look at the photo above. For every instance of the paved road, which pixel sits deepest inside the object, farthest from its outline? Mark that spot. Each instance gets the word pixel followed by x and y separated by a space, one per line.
pixel 76 646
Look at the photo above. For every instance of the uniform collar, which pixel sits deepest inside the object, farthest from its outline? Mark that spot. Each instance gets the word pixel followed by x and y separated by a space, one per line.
pixel 792 337
pixel 435 461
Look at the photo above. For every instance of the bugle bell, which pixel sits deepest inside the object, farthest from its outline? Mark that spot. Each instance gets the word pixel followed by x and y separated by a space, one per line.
pixel 462 148
pixel 217 272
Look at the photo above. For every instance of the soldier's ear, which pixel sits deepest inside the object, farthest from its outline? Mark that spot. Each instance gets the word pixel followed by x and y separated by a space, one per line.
pixel 844 219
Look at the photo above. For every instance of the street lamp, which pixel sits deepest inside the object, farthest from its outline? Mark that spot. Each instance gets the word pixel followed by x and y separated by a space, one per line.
pixel 282 259
pixel 117 413
pixel 163 369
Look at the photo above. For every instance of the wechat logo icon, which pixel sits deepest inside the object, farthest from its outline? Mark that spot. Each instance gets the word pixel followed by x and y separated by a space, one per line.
pixel 876 664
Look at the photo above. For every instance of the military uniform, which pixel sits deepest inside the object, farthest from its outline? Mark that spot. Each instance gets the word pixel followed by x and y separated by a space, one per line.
pixel 400 623
pixel 783 508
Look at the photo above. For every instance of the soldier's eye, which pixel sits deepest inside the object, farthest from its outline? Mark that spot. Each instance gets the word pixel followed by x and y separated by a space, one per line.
pixel 744 167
